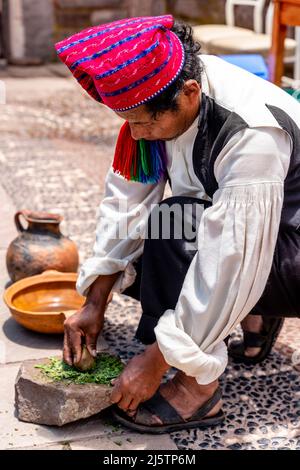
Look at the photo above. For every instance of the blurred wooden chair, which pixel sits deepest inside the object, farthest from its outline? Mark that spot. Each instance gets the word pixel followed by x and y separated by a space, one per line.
pixel 212 32
pixel 230 39
pixel 286 13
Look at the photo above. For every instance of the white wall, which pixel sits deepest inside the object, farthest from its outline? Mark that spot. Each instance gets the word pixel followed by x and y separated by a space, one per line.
pixel 16 29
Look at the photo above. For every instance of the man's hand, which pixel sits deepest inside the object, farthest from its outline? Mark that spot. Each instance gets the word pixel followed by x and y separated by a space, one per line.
pixel 140 379
pixel 87 323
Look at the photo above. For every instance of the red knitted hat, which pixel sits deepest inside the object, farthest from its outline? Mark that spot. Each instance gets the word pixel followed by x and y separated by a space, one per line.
pixel 125 63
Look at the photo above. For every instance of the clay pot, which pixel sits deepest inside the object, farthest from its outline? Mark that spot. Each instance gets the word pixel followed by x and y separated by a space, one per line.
pixel 40 246
pixel 43 302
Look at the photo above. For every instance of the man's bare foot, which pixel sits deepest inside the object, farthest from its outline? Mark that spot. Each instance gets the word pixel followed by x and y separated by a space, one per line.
pixel 253 323
pixel 186 396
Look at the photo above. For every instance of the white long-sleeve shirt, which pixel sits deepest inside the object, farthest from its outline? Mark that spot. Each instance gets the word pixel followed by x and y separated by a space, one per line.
pixel 236 235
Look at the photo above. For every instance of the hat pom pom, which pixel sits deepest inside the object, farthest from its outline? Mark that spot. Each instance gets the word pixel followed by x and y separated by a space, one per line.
pixel 142 160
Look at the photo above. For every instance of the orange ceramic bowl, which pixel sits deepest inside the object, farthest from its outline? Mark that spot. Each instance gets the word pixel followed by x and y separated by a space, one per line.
pixel 42 303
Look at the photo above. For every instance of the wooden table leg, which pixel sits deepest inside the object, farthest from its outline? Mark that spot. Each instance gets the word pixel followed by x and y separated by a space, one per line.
pixel 277 49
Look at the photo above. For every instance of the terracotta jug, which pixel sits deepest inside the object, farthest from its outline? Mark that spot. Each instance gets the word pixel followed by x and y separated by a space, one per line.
pixel 40 246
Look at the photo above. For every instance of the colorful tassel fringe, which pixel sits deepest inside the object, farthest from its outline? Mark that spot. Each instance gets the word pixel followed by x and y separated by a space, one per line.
pixel 142 160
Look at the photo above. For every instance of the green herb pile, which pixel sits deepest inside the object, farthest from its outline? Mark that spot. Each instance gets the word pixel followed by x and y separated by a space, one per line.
pixel 107 368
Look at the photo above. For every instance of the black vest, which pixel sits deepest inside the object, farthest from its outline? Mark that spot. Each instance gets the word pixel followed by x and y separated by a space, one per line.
pixel 216 126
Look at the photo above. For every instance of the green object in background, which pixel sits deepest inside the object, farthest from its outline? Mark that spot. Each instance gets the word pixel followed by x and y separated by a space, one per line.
pixel 293 92
pixel 107 367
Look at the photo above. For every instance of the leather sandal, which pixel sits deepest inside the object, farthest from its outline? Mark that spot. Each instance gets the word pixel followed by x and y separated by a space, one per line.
pixel 170 419
pixel 264 340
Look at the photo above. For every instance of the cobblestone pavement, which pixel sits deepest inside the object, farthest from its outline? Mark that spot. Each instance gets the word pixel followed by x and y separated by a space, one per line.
pixel 56 146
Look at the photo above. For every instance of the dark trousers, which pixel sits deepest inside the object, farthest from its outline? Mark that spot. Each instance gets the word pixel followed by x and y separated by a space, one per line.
pixel 281 297
pixel 162 268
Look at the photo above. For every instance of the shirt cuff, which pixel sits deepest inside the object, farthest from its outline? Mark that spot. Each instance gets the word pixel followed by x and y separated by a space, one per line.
pixel 94 267
pixel 180 351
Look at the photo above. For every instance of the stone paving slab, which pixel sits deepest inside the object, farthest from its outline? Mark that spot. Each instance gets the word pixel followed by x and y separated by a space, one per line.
pixel 128 441
pixel 59 446
pixel 16 434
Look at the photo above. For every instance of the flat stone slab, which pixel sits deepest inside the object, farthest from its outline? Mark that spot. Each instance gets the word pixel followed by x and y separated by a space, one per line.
pixel 41 400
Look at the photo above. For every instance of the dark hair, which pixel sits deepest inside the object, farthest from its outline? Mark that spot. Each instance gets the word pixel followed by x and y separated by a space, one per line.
pixel 192 69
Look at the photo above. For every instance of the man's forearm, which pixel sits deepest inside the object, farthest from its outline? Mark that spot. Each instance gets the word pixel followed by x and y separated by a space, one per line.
pixel 100 289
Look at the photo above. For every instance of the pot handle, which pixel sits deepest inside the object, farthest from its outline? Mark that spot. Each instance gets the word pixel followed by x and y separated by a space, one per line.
pixel 19 226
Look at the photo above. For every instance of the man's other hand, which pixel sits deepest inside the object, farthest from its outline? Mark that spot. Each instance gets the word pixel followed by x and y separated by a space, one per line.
pixel 139 380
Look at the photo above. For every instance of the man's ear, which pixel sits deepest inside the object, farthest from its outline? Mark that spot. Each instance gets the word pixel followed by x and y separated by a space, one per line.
pixel 191 88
